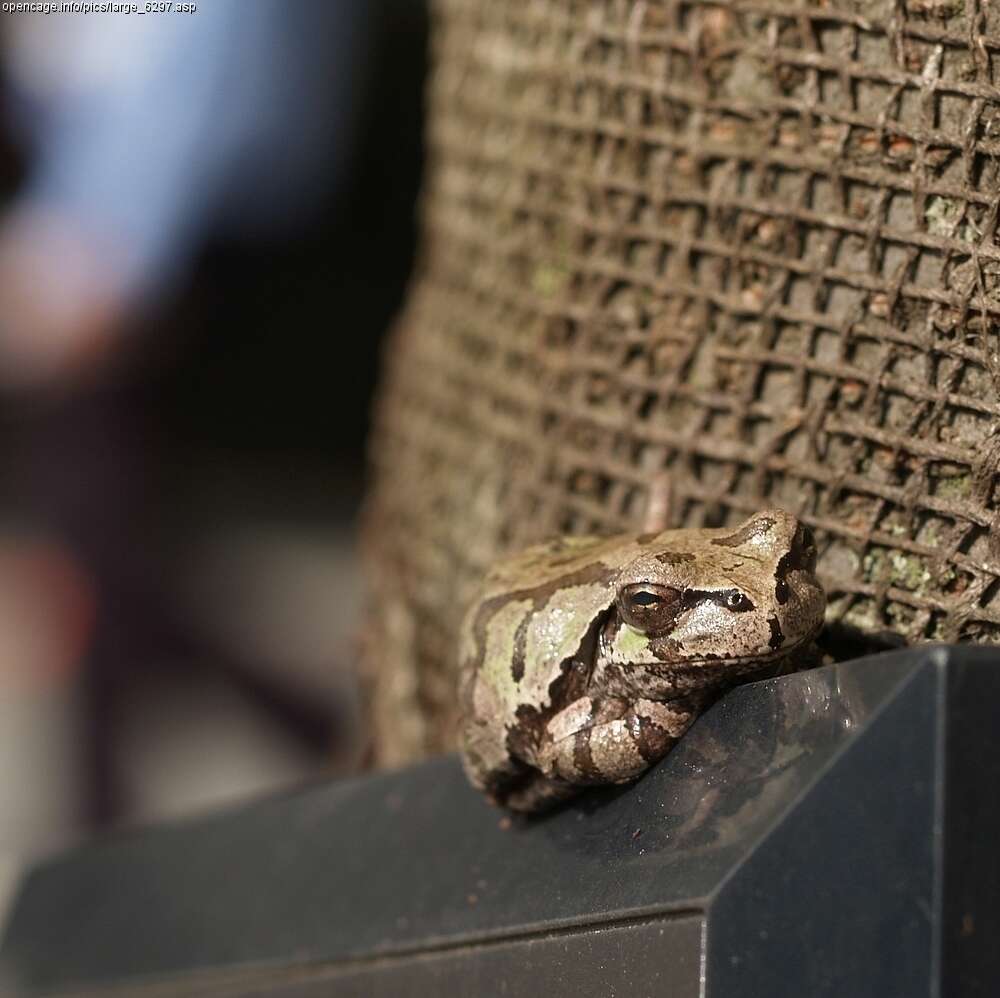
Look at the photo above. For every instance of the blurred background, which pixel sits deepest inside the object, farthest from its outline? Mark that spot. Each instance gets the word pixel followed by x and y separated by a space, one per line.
pixel 207 225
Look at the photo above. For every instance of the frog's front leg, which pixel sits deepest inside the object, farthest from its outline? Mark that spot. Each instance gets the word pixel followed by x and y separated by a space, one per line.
pixel 613 740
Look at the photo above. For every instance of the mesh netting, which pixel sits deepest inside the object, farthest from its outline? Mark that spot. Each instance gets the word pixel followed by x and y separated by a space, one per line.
pixel 753 245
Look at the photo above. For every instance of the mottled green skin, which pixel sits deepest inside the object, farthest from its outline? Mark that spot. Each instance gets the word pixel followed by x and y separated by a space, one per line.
pixel 568 682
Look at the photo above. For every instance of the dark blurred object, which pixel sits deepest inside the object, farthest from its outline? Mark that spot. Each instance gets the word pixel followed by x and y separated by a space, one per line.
pixel 829 833
pixel 210 473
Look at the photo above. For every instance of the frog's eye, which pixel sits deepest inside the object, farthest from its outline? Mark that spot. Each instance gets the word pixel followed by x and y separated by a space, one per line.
pixel 645 598
pixel 648 608
pixel 736 601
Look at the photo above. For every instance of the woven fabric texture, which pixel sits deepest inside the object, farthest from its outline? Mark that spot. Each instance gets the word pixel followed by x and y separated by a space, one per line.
pixel 752 245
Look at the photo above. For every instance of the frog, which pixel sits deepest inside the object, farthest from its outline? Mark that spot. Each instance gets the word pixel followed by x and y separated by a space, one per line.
pixel 585 659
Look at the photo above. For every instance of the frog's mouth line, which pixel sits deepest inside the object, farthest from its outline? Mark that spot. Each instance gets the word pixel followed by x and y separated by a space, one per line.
pixel 698 664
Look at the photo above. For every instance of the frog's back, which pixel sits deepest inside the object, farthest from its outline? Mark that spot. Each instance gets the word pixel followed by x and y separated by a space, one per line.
pixel 533 615
pixel 553 564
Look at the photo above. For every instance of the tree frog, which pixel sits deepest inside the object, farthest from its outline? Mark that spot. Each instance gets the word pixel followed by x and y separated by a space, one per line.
pixel 585 659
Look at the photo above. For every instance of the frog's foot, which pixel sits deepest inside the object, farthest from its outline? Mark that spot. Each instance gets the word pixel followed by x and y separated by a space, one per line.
pixel 616 749
pixel 539 793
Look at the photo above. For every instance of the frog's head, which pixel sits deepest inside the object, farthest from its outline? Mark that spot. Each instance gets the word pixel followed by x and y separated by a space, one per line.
pixel 696 597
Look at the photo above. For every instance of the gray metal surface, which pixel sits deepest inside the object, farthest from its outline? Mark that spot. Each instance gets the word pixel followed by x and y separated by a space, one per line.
pixel 796 842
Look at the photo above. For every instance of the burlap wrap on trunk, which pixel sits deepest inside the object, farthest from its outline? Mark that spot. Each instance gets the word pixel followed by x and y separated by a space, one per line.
pixel 751 244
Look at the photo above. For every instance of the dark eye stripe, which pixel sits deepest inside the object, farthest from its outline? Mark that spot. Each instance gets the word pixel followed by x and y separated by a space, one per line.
pixel 692 597
pixel 731 599
pixel 738 602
